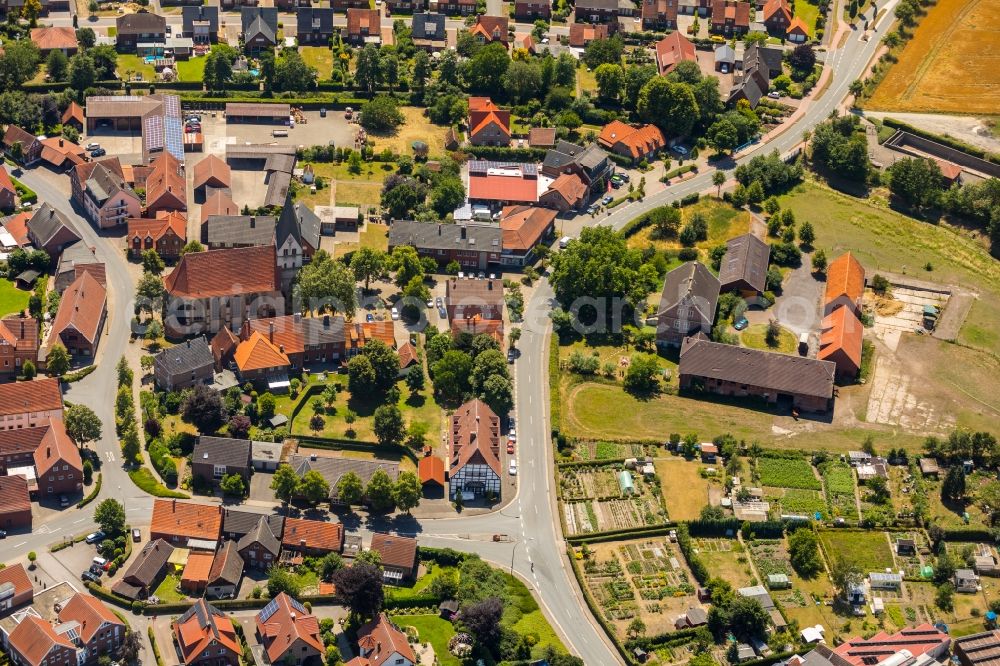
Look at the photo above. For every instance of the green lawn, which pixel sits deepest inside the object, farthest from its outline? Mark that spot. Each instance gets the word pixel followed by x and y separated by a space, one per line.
pixel 755 337
pixel 526 618
pixel 130 64
pixel 167 590
pixel 320 57
pixel 434 630
pixel 724 222
pixel 191 70
pixel 808 12
pixel 868 550
pixel 12 299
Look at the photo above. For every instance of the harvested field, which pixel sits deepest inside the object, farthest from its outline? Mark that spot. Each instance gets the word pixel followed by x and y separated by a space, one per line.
pixel 726 559
pixel 685 491
pixel 952 64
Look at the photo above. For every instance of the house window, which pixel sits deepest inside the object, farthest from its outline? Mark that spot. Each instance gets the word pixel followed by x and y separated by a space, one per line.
pixel 219 471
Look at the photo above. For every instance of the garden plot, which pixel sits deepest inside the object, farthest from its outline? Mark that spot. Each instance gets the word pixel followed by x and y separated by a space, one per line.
pixel 787 473
pixel 869 551
pixel 609 450
pixel 590 483
pixel 797 502
pixel 726 559
pixel 595 501
pixel 838 477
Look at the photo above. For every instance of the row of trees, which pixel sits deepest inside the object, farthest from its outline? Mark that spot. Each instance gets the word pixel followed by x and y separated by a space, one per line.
pixel 382 493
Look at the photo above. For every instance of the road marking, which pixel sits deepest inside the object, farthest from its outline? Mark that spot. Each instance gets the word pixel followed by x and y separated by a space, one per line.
pixel 18 545
pixel 110 456
pixel 77 522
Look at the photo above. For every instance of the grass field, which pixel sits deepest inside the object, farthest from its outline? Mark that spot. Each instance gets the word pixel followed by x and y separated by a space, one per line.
pixel 358 194
pixel 192 69
pixel 808 12
pixel 132 64
pixel 320 57
pixel 726 559
pixel 952 64
pixel 12 299
pixel 724 222
pixel 434 630
pixel 870 551
pixel 755 337
pixel 167 590
pixel 684 490
pixel 885 240
pixel 360 189
pixel 416 128
pixel 374 235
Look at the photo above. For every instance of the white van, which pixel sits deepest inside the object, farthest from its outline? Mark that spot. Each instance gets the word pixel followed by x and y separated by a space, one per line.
pixel 563 242
pixel 279 132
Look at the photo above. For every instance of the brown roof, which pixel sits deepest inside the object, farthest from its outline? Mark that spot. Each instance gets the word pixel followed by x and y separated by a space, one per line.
pixel 380 639
pixel 845 277
pixel 257 353
pixel 49 38
pixel 636 141
pixel 407 355
pixel 158 226
pixel 201 627
pixel 17 225
pixel 478 326
pixel 39 395
pixel 487 294
pixel 772 7
pixel 524 226
pixel 312 534
pixel 56 447
pixel 34 638
pixel 475 436
pixel 482 111
pixel 56 150
pixel 431 468
pixel 218 203
pixel 842 331
pixel 165 185
pixel 359 20
pixel 783 373
pixel 284 622
pixel 81 308
pixel 90 613
pixel 227 566
pixel 745 260
pixel 15 134
pixel 673 49
pixel 360 333
pixel 580 34
pixel 494 28
pixel 246 270
pixel 73 112
pixel 735 10
pixel 186 519
pixel 396 551
pixel 295 333
pixel 542 137
pixel 15 573
pixel 570 187
pixel 148 564
pixel 212 171
pixel 14 498
pixel 197 568
pixel 19 332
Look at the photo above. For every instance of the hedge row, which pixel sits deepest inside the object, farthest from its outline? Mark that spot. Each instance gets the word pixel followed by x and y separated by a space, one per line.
pixel 445 557
pixel 27 194
pixel 555 408
pixel 620 535
pixel 93 493
pixel 144 479
pixel 637 224
pixel 77 375
pixel 596 611
pixel 156 648
pixel 967 534
pixel 650 642
pixel 945 140
pixel 680 171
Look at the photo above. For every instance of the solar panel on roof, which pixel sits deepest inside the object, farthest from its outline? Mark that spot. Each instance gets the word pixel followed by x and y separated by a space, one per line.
pixel 268 611
pixel 299 607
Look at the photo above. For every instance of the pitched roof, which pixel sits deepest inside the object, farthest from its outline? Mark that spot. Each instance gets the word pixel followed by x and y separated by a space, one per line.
pixel 431 468
pixel 570 187
pixel 186 357
pixel 295 333
pixel 380 639
pixel 259 19
pixel 197 568
pixel 486 294
pixel 841 331
pixel 636 140
pixel 245 270
pixel 166 182
pixel 775 7
pixel 204 625
pixel 523 226
pixel 19 332
pixel 288 223
pixel 239 230
pixel 407 355
pixel 309 19
pixel 799 26
pixel 283 622
pixel 482 112
pixel 49 37
pixel 205 13
pixel 429 27
pixel 580 34
pixel 918 641
pixel 736 11
pixel 15 573
pixel 218 203
pixel 141 23
pixel 14 498
pixel 57 150
pixel 312 534
pixel 227 567
pixel 542 137
pixel 475 436
pixel 89 613
pixel 56 447
pixel 258 353
pixel 212 169
pixel 17 225
pixel 186 519
pixel 479 237
pixel 783 373
pixel 149 562
pixel 222 451
pixel 671 50
pixel 360 20
pixel 48 224
pixel 845 277
pixel 745 259
pixel 263 534
pixel 503 181
pixel 39 395
pixel 82 308
pixel 477 325
pixel 240 522
pixel 15 134
pixel 34 638
pixel 690 286
pixel 332 468
pixel 396 551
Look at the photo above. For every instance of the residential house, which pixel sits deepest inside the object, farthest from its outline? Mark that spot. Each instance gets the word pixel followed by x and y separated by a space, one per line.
pixel 8 193
pixel 709 453
pixel 15 578
pixel 581 34
pixel 302 340
pixel 566 193
pixel 197 567
pixel 226 572
pixel 259 28
pixel 635 142
pixel 590 163
pixel 312 537
pixel 332 469
pixel 474 469
pixel 531 10
pixel 660 14
pixel 381 643
pixel 602 11
pixel 218 203
pixel 51 38
pixel 489 125
pixel 200 24
pixel 139 28
pixel 922 644
pixel 146 571
pixel 344 5
pixel 59 153
pixel 30 404
pixel 30 146
pixel 100 188
pixel 178 522
pixel 466 299
pixel 79 321
pixel 15 507
pixel 17 227
pixel 314 25
pixel 289 633
pixel 840 341
pixel 398 556
pixel 542 137
pixel 498 184
pixel 804 384
pixel 525 227
pixel 452 7
pixel 35 642
pixel 730 17
pixel 216 457
pixel 777 16
pixel 99 631
pixel 361 333
pixel 211 290
pixel 979 649
pixel 18 343
pixel 166 189
pixel 405 6
pixel 259 360
pixel 211 171
pixel 486 30
pixel 430 470
pixel 966 580
pixel 166 233
pixel 184 365
pixel 237 523
pixel 205 636
pixel 798 31
pixel 364 26
pixel 474 246
pixel 672 50
pixel 428 31
pixel 744 267
pixel 50 230
pixel 687 304
pixel 260 547
pixel 75 260
pixel 845 284
pixel 58 466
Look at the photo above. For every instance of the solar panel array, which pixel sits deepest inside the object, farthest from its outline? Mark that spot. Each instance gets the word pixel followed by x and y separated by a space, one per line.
pixel 480 167
pixel 268 611
pixel 173 126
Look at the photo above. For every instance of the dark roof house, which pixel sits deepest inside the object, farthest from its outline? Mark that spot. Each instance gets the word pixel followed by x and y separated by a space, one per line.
pixel 687 303
pixel 744 267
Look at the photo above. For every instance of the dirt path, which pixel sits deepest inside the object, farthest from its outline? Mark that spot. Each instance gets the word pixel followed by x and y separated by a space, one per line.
pixel 955 312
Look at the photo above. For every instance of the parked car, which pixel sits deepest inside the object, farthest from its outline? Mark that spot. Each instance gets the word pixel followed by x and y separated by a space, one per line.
pixel 510 447
pixel 136 535
pixel 94 537
pixel 90 576
pixel 740 323
pixel 395 314
pixel 369 317
pixel 430 302
pixel 98 152
pixel 512 433
pixel 510 355
pixel 774 94
pixel 93 145
pixel 607 199
pixel 592 208
pixel 439 302
pixel 3 534
pixel 615 184
pixel 99 562
pixel 681 150
pixel 512 469
pixel 482 275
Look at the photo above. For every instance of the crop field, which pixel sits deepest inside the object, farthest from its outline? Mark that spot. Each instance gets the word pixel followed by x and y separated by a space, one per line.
pixel 797 501
pixel 601 516
pixel 952 64
pixel 608 450
pixel 839 481
pixel 726 559
pixel 869 551
pixel 787 473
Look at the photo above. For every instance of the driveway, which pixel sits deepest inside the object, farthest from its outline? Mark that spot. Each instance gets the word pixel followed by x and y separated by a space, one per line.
pixel 798 306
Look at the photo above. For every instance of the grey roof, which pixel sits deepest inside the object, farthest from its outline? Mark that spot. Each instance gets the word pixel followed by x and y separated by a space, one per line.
pixel 429 235
pixel 565 153
pixel 280 162
pixel 227 567
pixel 262 534
pixel 258 26
pixel 221 451
pixel 725 53
pixel 240 523
pixel 77 253
pixel 105 184
pixel 318 19
pixel 288 223
pixel 606 5
pixel 782 373
pixel 149 563
pixel 240 229
pixel 757 592
pixel 278 186
pixel 191 15
pixel 309 224
pixel 690 286
pixel 186 357
pixel 267 15
pixel 429 26
pixel 745 260
pixel 332 469
pixel 141 23
pixel 746 87
pixel 696 615
pixel 47 222
pixel 771 57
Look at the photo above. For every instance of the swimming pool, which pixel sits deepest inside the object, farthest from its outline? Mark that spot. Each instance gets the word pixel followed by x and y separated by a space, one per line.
pixel 149 60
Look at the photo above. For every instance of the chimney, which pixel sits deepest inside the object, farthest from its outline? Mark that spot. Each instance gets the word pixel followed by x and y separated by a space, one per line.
pixel 189 344
pixel 270 332
pixel 174 505
pixel 489 285
pixel 297 317
pixel 326 321
pixel 253 222
pixel 463 232
pixel 48 451
pixel 439 229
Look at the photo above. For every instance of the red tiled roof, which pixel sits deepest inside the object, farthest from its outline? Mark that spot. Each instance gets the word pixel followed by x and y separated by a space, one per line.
pixel 918 640
pixel 185 519
pixel 636 141
pixel 673 49
pixel 407 355
pixel 19 332
pixel 203 626
pixel 49 38
pixel 482 112
pixel 157 227
pixel 14 498
pixel 523 226
pixel 948 169
pixel 247 270
pixel 213 169
pixel 258 353
pixel 379 640
pixel 56 447
pixel 396 551
pixel 542 137
pixel 17 225
pixel 34 638
pixel 360 21
pixel 493 28
pixel 219 203
pixel 197 569
pixel 570 187
pixel 845 277
pixel 475 436
pixel 312 534
pixel 362 332
pixel 842 331
pixel 478 326
pixel 165 186
pixel 798 26
pixel 73 112
pixel 580 34
pixel 15 573
pixel 503 188
pixel 81 308
pixel 287 624
pixel 90 613
pixel 772 7
pixel 7 184
pixel 39 395
pixel 431 468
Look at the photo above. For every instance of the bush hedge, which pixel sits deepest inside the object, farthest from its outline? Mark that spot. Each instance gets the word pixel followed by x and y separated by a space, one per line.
pixel 555 408
pixel 445 557
pixel 77 375
pixel 501 154
pixel 145 480
pixel 93 493
pixel 156 648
